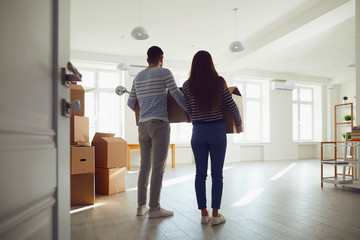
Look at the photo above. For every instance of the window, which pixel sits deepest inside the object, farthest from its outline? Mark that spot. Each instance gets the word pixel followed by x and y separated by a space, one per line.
pixel 103 107
pixel 88 83
pixel 252 94
pixel 302 98
pixel 180 132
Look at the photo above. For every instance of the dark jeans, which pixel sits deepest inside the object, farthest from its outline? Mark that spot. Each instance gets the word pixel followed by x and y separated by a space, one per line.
pixel 209 138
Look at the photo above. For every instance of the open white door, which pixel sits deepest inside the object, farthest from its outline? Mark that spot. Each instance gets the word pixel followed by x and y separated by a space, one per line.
pixel 34 137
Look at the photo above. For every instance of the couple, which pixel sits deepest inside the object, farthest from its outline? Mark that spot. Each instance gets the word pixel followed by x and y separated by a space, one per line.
pixel 202 97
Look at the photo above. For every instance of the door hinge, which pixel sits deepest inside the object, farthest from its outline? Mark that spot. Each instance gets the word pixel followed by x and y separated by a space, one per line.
pixel 74 76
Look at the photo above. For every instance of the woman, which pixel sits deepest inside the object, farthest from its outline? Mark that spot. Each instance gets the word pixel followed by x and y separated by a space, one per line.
pixel 204 93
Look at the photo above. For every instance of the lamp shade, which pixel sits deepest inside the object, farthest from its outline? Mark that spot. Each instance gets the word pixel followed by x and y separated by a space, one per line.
pixel 120 90
pixel 236 46
pixel 122 66
pixel 333 86
pixel 139 33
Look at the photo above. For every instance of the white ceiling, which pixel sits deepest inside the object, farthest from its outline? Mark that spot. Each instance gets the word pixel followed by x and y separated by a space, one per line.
pixel 311 39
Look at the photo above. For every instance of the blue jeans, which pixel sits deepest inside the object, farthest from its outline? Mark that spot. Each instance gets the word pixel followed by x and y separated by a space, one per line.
pixel 209 138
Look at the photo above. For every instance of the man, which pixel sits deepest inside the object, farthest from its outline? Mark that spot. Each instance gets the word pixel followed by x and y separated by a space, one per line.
pixel 150 89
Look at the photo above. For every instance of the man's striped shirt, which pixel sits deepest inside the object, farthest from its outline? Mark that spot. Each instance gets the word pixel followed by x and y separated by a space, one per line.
pixel 150 88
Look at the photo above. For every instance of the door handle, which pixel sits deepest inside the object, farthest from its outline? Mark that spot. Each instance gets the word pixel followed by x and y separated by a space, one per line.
pixel 74 76
pixel 66 107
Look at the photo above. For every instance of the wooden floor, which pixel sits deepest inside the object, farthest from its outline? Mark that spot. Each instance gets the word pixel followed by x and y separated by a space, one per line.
pixel 261 200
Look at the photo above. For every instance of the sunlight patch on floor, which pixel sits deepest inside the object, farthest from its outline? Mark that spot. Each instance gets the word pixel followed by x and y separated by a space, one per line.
pixel 181 179
pixel 282 172
pixel 248 197
pixel 177 180
pixel 86 207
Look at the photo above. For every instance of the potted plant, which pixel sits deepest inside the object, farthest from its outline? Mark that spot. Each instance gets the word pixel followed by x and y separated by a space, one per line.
pixel 348 117
pixel 349 136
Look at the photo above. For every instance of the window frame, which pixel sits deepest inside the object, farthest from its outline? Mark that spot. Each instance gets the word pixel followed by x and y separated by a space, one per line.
pixel 97 91
pixel 298 102
pixel 180 77
pixel 243 137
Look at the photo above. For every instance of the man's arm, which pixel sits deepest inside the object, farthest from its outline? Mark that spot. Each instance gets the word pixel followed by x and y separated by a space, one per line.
pixel 174 91
pixel 132 97
pixel 187 100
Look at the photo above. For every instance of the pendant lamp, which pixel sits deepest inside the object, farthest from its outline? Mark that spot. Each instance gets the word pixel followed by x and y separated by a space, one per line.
pixel 120 90
pixel 122 66
pixel 236 46
pixel 139 33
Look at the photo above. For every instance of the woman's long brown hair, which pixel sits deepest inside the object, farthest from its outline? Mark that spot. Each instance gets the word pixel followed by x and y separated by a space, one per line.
pixel 205 83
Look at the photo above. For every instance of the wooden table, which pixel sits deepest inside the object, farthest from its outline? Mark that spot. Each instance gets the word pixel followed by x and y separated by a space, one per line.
pixel 137 146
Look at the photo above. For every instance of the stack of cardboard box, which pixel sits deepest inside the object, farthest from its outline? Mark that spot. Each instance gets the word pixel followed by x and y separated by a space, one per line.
pixel 82 154
pixel 110 162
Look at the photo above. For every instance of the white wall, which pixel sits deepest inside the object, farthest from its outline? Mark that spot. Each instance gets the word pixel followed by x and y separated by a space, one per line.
pixel 332 100
pixel 281 145
pixel 309 150
pixel 348 89
pixel 244 152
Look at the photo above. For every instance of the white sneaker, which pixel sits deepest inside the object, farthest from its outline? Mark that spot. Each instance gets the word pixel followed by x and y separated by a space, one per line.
pixel 205 219
pixel 160 213
pixel 217 220
pixel 141 210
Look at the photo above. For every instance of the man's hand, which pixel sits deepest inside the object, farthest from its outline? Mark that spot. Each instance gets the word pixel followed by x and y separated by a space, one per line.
pixel 238 129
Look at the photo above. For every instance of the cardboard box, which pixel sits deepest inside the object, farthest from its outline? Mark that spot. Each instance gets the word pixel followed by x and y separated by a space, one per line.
pixel 228 118
pixel 109 180
pixel 175 113
pixel 79 129
pixel 82 160
pixel 82 189
pixel 81 144
pixel 110 151
pixel 77 92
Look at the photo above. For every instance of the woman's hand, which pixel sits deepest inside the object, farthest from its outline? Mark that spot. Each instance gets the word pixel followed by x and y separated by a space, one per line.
pixel 238 129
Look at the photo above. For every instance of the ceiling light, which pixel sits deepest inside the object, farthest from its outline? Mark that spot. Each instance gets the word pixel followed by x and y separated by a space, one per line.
pixel 236 46
pixel 122 66
pixel 139 33
pixel 333 86
pixel 351 63
pixel 120 90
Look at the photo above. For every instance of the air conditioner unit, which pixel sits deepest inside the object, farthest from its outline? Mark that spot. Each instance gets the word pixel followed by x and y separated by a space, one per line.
pixel 333 86
pixel 288 85
pixel 135 69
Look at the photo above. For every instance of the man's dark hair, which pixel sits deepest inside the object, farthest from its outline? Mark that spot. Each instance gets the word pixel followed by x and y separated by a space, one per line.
pixel 154 54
